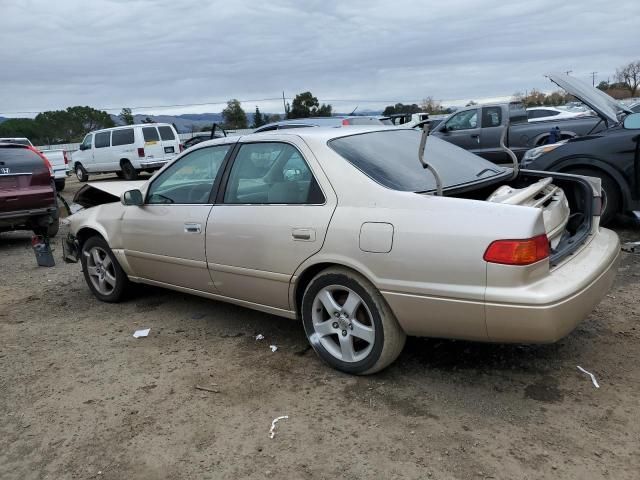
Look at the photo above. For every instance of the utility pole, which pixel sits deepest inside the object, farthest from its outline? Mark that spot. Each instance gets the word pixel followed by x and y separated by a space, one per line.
pixel 284 105
pixel 568 71
pixel 593 78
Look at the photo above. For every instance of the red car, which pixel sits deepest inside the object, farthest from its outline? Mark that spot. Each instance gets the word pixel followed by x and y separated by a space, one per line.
pixel 27 191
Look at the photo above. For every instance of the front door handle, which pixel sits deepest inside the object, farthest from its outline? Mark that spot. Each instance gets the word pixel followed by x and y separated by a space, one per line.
pixel 304 234
pixel 192 228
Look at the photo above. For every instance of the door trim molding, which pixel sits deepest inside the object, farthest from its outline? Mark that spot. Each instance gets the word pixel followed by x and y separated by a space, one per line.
pixel 250 272
pixel 186 262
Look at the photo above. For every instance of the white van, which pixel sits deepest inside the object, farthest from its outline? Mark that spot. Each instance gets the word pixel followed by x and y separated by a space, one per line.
pixel 126 150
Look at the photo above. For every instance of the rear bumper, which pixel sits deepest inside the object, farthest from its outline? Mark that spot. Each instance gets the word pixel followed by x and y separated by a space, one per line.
pixel 22 217
pixel 552 307
pixel 153 164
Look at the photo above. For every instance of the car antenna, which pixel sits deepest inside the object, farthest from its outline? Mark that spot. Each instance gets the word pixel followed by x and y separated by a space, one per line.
pixel 424 163
pixel 509 152
pixel 354 110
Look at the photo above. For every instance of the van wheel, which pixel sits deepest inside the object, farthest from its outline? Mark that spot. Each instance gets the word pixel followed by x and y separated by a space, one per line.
pixel 349 324
pixel 81 173
pixel 102 272
pixel 128 172
pixel 120 174
pixel 611 190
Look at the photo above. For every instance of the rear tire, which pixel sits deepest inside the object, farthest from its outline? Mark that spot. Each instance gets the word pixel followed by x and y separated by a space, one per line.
pixel 120 174
pixel 60 185
pixel 102 272
pixel 349 324
pixel 611 190
pixel 81 173
pixel 52 229
pixel 128 172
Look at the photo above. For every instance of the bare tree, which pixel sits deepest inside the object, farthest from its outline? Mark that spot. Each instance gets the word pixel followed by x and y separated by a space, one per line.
pixel 629 75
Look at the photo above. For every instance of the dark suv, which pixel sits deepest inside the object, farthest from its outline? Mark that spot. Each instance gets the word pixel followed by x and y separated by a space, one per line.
pixel 27 191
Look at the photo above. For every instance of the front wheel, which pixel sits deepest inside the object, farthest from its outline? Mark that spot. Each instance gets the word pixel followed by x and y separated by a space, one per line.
pixel 613 196
pixel 349 324
pixel 81 173
pixel 102 272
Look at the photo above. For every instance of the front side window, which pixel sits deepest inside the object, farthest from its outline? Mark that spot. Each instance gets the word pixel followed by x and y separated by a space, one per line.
pixel 166 133
pixel 86 143
pixel 271 173
pixel 463 120
pixel 190 179
pixel 103 139
pixel 150 134
pixel 122 137
pixel 491 117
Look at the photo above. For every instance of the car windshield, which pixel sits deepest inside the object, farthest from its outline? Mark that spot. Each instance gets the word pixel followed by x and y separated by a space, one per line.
pixel 390 158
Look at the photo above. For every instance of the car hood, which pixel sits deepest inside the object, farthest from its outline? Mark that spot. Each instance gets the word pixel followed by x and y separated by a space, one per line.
pixel 93 194
pixel 601 103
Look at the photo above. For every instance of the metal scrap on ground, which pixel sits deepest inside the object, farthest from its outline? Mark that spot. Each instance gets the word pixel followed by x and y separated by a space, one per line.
pixel 141 333
pixel 593 377
pixel 272 432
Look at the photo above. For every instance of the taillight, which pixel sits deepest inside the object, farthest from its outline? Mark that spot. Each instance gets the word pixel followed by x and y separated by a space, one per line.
pixel 66 159
pixel 141 152
pixel 44 159
pixel 518 252
pixel 345 122
pixel 182 147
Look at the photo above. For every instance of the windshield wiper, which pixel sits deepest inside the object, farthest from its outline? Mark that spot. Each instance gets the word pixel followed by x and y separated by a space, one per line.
pixel 487 170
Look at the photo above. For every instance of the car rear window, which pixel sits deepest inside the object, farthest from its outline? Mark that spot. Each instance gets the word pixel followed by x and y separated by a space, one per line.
pixel 102 139
pixel 122 137
pixel 19 160
pixel 166 133
pixel 391 159
pixel 150 134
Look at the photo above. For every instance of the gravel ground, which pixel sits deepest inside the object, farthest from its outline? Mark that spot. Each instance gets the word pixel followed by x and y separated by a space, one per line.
pixel 81 398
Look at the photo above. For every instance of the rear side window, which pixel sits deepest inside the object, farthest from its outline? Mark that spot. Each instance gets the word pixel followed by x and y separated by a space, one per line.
pixel 102 139
pixel 150 134
pixel 491 117
pixel 166 133
pixel 122 137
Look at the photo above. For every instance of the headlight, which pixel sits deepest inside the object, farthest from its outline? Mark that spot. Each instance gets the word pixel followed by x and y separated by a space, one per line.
pixel 534 153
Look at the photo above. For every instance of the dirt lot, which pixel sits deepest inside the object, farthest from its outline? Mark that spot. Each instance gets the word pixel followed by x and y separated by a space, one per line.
pixel 81 398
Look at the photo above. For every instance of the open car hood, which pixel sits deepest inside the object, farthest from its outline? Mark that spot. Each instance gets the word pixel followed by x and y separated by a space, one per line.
pixel 97 193
pixel 601 103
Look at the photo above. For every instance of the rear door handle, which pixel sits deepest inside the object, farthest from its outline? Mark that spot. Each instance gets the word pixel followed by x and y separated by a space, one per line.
pixel 304 234
pixel 192 228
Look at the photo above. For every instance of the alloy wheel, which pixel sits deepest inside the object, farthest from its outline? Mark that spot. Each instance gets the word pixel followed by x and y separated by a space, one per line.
pixel 101 270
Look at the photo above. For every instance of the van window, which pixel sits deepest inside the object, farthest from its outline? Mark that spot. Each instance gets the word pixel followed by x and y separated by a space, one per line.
pixel 122 137
pixel 150 134
pixel 102 139
pixel 166 133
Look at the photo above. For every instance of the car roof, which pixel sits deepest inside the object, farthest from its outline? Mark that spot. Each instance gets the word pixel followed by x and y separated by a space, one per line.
pixel 120 127
pixel 317 121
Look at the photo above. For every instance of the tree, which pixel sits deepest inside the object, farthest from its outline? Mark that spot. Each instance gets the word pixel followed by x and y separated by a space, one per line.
pixel 234 116
pixel 21 127
pixel 430 105
pixel 305 105
pixel 126 116
pixel 471 103
pixel 148 120
pixel 629 75
pixel 258 119
pixel 401 108
pixel 70 125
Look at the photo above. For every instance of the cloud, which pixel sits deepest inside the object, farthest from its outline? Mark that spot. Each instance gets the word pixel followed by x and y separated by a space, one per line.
pixel 156 52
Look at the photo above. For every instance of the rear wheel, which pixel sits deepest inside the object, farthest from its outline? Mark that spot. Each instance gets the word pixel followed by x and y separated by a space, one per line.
pixel 81 173
pixel 120 174
pixel 52 229
pixel 611 190
pixel 128 171
pixel 349 324
pixel 60 185
pixel 102 272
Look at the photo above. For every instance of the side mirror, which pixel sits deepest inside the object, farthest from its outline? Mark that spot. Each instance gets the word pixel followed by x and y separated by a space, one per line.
pixel 82 147
pixel 632 121
pixel 132 197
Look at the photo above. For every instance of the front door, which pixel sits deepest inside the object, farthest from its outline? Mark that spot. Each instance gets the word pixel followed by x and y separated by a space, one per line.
pixel 164 239
pixel 101 152
pixel 272 216
pixel 463 130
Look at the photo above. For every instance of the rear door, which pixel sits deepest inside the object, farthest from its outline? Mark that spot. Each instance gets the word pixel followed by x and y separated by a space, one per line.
pixel 272 215
pixel 491 128
pixel 169 141
pixel 122 147
pixel 153 151
pixel 25 180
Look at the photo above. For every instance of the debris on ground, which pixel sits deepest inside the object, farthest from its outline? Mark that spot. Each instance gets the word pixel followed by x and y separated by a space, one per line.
pixel 207 389
pixel 631 247
pixel 141 333
pixel 260 337
pixel 273 348
pixel 272 430
pixel 593 377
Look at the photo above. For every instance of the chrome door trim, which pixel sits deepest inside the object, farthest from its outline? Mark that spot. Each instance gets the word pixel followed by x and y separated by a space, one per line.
pixel 250 272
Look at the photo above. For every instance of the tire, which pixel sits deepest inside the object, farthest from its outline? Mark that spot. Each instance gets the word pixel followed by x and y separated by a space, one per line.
pixel 611 190
pixel 52 229
pixel 120 174
pixel 128 172
pixel 60 185
pixel 102 272
pixel 360 340
pixel 81 173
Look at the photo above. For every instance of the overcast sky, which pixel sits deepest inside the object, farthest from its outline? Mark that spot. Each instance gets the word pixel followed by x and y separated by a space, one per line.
pixel 54 54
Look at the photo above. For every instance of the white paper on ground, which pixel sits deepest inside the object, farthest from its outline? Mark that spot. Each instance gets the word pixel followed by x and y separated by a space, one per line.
pixel 273 348
pixel 593 377
pixel 272 432
pixel 260 337
pixel 141 333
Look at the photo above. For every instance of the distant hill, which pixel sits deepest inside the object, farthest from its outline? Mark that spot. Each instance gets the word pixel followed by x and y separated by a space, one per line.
pixel 3 119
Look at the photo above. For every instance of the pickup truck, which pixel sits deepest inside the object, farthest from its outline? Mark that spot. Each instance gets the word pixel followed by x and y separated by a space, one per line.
pixel 478 129
pixel 57 158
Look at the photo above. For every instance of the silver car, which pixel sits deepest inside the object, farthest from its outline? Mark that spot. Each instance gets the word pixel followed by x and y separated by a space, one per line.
pixel 343 230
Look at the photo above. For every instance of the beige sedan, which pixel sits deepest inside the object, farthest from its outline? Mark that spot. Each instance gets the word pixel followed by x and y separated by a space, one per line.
pixel 342 229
